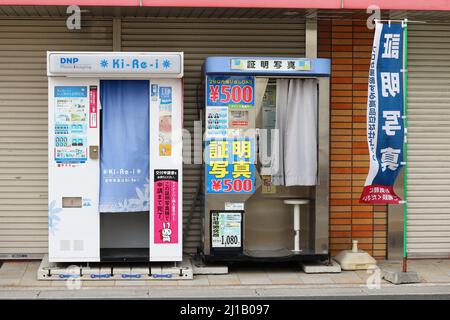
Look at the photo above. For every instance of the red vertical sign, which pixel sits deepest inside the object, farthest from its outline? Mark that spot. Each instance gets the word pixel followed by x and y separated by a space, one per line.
pixel 93 107
pixel 166 206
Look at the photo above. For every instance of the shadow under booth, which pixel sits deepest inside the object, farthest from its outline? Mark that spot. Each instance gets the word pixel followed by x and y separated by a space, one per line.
pixel 266 160
pixel 115 156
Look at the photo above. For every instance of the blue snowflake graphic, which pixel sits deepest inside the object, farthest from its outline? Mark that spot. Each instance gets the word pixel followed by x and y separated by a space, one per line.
pixel 104 63
pixel 166 64
pixel 53 219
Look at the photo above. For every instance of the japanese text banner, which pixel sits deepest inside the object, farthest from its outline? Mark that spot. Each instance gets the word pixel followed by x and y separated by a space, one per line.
pixel 385 128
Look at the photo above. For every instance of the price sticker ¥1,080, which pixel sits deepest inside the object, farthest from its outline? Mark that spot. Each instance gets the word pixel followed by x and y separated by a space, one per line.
pixel 226 229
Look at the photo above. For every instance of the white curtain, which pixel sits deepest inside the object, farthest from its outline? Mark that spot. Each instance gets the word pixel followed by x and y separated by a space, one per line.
pixel 295 163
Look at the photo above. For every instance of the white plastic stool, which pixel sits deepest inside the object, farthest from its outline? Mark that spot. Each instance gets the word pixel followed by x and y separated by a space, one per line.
pixel 296 203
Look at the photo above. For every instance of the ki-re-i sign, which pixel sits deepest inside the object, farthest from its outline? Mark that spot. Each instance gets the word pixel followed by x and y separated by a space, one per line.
pixel 121 63
pixel 385 128
pixel 230 165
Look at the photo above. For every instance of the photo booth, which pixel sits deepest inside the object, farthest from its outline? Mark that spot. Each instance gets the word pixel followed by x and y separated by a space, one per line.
pixel 115 156
pixel 266 159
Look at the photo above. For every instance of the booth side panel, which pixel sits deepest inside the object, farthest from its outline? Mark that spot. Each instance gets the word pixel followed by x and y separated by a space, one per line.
pixel 322 190
pixel 73 170
pixel 166 175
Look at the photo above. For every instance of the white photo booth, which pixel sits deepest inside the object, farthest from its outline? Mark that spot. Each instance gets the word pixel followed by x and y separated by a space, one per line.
pixel 115 156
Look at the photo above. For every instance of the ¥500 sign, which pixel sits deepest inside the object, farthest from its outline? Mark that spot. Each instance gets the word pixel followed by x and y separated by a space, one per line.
pixel 235 92
pixel 230 165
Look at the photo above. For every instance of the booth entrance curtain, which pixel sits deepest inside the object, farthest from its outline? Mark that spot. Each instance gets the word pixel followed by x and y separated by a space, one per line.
pixel 295 163
pixel 124 157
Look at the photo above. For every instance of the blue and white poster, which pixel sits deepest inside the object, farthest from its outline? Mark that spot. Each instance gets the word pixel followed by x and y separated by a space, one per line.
pixel 124 159
pixel 71 110
pixel 385 128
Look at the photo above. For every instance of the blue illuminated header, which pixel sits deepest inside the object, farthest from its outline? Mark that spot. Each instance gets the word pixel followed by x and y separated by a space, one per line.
pixel 267 66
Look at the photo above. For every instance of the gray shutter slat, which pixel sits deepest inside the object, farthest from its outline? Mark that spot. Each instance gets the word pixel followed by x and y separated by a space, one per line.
pixel 23 124
pixel 428 227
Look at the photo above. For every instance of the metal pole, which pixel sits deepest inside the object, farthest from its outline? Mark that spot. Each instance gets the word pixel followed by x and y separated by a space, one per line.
pixel 297 227
pixel 405 143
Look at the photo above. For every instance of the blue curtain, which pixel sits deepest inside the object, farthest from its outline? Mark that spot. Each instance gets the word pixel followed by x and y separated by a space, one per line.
pixel 124 155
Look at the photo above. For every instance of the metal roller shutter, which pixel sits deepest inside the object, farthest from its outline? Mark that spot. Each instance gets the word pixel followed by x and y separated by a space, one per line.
pixel 199 38
pixel 428 227
pixel 23 124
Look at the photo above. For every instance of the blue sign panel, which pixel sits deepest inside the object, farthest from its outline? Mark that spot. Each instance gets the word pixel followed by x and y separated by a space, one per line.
pixel 70 92
pixel 230 166
pixel 230 91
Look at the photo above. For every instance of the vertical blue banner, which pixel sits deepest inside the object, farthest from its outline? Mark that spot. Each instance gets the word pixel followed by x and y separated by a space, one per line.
pixel 385 102
pixel 124 159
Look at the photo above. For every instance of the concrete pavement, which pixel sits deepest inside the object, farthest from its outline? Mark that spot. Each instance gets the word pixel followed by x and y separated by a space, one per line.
pixel 18 280
pixel 234 292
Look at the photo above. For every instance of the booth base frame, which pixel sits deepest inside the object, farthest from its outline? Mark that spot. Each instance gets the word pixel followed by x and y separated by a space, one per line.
pixel 268 256
pixel 108 271
pixel 321 267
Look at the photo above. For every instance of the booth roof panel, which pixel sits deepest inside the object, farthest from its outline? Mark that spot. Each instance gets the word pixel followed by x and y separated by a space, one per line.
pixel 222 65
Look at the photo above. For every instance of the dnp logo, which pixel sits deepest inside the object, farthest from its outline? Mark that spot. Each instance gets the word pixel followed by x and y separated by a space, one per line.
pixel 68 60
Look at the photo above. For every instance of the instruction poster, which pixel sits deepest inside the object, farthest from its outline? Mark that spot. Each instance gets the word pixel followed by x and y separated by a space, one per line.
pixel 216 121
pixel 230 165
pixel 226 229
pixel 166 206
pixel 71 110
pixel 163 95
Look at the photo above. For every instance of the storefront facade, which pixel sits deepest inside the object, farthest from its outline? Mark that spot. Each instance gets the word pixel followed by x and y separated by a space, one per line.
pixel 348 44
pixel 378 228
pixel 27 33
pixel 25 41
